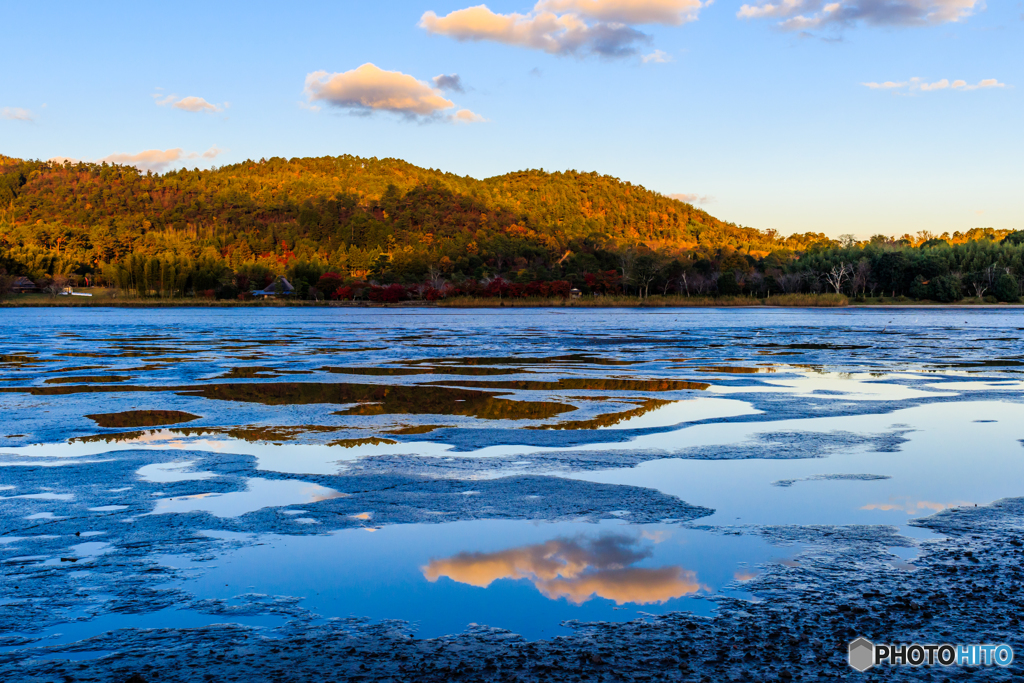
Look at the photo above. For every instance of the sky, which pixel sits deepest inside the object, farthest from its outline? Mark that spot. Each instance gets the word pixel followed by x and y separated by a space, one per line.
pixel 837 116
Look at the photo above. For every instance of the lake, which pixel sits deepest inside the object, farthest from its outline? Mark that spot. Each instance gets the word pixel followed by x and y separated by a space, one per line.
pixel 518 469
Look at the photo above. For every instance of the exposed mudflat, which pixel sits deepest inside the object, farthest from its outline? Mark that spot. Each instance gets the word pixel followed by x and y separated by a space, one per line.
pixel 621 496
pixel 962 588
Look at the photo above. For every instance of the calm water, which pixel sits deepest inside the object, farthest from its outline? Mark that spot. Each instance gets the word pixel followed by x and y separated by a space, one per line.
pixel 516 468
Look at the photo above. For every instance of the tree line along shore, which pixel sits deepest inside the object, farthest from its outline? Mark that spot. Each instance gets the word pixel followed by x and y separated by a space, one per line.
pixel 384 231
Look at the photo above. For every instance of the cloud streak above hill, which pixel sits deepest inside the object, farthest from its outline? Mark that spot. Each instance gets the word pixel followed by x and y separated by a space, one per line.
pixel 158 160
pixel 566 27
pixel 808 15
pixel 369 88
pixel 692 198
pixel 919 84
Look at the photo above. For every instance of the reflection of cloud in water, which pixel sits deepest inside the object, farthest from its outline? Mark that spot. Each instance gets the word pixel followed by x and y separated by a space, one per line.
pixel 745 575
pixel 260 493
pixel 166 472
pixel 575 569
pixel 914 507
pixel 860 386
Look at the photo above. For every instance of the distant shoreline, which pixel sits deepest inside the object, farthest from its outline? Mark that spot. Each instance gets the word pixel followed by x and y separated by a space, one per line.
pixel 588 303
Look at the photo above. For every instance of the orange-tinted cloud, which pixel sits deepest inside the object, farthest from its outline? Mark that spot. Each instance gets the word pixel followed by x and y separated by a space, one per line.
pixel 190 103
pixel 158 160
pixel 369 88
pixel 574 569
pixel 692 198
pixel 602 27
pixel 149 160
pixel 637 585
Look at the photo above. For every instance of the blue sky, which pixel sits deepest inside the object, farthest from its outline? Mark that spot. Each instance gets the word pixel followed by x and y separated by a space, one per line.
pixel 758 111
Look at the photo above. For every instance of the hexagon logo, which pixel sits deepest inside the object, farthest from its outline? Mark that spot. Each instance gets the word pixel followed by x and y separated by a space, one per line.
pixel 862 654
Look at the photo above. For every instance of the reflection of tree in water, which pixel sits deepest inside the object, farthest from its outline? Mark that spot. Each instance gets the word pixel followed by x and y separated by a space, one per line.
pixel 607 419
pixel 250 434
pixel 576 569
pixel 379 399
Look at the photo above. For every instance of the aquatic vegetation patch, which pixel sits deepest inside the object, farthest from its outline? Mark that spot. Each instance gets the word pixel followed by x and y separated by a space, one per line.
pixel 443 370
pixel 21 359
pixel 95 379
pixel 381 399
pixel 734 369
pixel 254 372
pixel 584 384
pixel 569 359
pixel 832 477
pixel 377 371
pixel 141 418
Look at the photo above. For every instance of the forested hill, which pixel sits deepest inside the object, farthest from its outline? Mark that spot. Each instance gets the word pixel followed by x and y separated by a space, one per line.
pixel 89 215
pixel 332 222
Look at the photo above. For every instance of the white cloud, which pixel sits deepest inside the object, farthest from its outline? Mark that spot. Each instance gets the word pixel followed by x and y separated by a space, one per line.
pixel 888 85
pixel 208 154
pixel 466 116
pixel 157 160
pixel 919 84
pixel 806 15
pixel 657 57
pixel 937 85
pixel 578 27
pixel 150 160
pixel 17 114
pixel 370 88
pixel 985 83
pixel 693 198
pixel 191 103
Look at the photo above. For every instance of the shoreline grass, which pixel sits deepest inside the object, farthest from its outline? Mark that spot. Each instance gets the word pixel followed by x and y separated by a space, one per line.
pixel 106 299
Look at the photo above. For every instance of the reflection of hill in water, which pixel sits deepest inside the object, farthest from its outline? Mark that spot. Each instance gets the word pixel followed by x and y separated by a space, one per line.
pixel 607 419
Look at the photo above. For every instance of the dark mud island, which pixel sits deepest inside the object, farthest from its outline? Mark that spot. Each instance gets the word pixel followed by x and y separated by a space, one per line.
pixel 713 495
